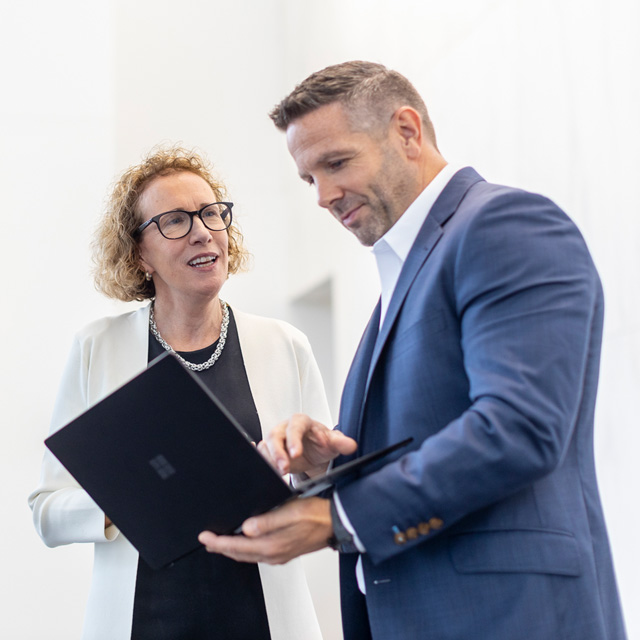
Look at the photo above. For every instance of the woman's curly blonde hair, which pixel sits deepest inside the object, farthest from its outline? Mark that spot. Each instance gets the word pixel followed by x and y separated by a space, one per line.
pixel 117 272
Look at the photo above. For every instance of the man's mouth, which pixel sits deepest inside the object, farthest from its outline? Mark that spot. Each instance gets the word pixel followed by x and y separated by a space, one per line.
pixel 202 261
pixel 348 217
pixel 348 209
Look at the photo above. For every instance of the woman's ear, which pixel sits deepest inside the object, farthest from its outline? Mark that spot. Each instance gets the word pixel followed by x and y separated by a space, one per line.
pixel 144 265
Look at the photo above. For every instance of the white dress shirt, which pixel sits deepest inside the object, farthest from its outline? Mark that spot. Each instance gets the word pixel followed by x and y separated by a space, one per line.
pixel 390 252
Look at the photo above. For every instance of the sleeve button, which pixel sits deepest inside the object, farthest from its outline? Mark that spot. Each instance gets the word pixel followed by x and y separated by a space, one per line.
pixel 400 537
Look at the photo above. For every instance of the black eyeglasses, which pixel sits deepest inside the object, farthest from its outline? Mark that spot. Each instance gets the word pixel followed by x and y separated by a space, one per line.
pixel 177 224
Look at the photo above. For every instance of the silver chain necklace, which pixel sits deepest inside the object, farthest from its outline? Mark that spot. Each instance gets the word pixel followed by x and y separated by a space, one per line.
pixel 214 356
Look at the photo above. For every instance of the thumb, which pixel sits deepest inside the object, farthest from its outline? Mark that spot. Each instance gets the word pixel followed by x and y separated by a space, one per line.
pixel 343 444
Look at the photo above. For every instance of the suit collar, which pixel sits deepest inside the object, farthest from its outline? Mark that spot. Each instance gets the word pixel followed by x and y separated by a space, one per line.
pixel 453 193
pixel 401 236
pixel 428 236
pixel 372 342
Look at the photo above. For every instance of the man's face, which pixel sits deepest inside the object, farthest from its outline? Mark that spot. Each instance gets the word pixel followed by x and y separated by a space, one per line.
pixel 362 177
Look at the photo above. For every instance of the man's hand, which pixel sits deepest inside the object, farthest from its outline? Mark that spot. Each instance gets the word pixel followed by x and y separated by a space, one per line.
pixel 302 445
pixel 298 527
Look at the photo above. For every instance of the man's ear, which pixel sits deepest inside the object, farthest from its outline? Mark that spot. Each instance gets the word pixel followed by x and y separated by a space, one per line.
pixel 407 123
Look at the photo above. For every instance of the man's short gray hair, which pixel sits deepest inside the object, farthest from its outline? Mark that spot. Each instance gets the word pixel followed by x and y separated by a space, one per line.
pixel 368 91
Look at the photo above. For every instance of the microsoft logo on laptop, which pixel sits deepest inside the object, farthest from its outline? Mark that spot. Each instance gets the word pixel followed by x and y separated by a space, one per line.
pixel 162 466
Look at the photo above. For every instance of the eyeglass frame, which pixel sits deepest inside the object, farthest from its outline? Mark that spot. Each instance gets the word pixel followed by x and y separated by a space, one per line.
pixel 191 215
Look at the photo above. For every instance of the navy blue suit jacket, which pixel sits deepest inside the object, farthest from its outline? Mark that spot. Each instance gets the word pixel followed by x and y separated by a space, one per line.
pixel 491 526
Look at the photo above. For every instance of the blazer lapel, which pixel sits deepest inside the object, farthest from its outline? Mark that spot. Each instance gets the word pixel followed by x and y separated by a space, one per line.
pixel 354 387
pixel 428 236
pixel 122 356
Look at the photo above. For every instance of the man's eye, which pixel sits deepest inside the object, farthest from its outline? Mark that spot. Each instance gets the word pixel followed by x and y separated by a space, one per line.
pixel 336 164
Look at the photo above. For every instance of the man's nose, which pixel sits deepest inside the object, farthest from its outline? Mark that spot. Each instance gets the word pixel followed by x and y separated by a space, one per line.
pixel 328 192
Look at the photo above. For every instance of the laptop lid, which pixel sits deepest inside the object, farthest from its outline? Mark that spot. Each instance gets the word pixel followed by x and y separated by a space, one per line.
pixel 165 460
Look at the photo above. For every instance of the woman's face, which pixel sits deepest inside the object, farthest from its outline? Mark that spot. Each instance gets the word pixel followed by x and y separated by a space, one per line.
pixel 192 267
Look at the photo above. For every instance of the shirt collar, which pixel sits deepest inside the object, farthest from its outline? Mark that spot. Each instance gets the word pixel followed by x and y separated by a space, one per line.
pixel 403 233
pixel 392 249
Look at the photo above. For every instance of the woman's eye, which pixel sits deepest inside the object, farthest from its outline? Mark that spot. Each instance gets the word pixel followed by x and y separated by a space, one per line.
pixel 173 220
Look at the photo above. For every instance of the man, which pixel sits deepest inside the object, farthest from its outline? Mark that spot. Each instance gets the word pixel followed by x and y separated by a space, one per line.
pixel 485 349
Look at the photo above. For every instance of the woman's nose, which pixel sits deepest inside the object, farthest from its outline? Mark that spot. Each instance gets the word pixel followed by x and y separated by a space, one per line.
pixel 199 233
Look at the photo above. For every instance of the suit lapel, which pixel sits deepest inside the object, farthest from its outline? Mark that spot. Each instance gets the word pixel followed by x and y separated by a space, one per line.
pixel 428 236
pixel 354 387
pixel 372 343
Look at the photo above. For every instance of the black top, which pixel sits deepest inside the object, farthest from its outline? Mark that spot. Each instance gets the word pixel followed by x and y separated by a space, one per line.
pixel 203 595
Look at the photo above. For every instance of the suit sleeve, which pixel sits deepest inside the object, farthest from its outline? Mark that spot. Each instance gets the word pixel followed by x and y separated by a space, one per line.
pixel 526 298
pixel 62 511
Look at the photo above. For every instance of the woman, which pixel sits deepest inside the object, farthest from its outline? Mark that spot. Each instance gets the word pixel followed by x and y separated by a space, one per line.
pixel 168 237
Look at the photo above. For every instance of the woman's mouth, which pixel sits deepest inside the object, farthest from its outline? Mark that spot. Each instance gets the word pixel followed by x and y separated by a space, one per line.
pixel 202 261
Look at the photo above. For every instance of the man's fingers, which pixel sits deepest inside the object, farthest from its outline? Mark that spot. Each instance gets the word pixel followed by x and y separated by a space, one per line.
pixel 234 547
pixel 298 527
pixel 256 545
pixel 276 446
pixel 208 539
pixel 266 454
pixel 269 522
pixel 299 426
pixel 302 445
pixel 343 444
pixel 285 441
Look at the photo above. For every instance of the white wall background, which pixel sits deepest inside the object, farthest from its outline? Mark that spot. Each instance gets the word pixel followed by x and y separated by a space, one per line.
pixel 544 95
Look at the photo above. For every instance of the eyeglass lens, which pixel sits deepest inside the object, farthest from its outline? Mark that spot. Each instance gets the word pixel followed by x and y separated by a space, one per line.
pixel 176 224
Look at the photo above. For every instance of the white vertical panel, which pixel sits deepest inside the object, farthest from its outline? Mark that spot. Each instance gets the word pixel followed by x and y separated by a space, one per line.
pixel 56 128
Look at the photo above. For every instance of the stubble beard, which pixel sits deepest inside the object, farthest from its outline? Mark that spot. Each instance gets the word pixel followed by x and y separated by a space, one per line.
pixel 377 224
pixel 391 187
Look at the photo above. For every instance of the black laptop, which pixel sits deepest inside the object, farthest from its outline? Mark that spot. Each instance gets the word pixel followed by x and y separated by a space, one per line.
pixel 165 460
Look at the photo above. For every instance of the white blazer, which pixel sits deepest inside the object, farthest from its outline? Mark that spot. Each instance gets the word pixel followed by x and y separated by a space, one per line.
pixel 284 379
